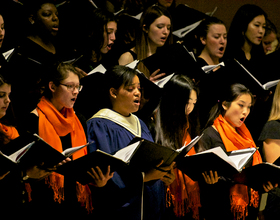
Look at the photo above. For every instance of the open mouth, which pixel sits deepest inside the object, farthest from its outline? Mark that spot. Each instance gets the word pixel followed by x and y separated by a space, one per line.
pixel 242 119
pixel 221 49
pixel 55 27
pixel 137 101
pixel 109 46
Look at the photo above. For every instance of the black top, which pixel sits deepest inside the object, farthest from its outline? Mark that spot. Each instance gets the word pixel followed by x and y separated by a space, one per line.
pixel 42 194
pixel 211 139
pixel 271 130
pixel 216 196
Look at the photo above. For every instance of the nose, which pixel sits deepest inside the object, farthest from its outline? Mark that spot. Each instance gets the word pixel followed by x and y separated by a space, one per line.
pixel 113 36
pixel 165 30
pixel 138 92
pixel 246 111
pixel 55 17
pixel 7 100
pixel 261 29
pixel 223 40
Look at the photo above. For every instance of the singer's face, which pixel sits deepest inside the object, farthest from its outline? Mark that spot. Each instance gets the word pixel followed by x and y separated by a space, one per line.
pixel 255 30
pixel 159 31
pixel 215 41
pixel 238 111
pixel 5 91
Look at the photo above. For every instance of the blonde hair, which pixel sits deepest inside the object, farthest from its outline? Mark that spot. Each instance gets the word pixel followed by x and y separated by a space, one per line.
pixel 275 109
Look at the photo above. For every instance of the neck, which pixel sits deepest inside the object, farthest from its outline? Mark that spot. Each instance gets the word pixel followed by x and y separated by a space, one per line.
pixel 210 60
pixel 152 48
pixel 56 105
pixel 94 58
pixel 125 114
pixel 247 47
pixel 43 42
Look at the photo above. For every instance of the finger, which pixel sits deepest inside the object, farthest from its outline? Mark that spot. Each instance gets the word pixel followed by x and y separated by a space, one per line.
pixel 265 189
pixel 158 76
pixel 155 73
pixel 269 185
pixel 161 162
pixel 206 177
pixel 212 176
pixel 108 170
pixel 93 174
pixel 99 171
pixel 216 176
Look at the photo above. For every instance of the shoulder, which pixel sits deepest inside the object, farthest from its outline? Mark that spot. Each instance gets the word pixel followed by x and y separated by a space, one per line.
pixel 30 123
pixel 211 138
pixel 126 58
pixel 99 122
pixel 271 130
pixel 146 134
pixel 201 62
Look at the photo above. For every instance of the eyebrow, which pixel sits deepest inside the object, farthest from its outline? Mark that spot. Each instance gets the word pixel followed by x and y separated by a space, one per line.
pixel 245 102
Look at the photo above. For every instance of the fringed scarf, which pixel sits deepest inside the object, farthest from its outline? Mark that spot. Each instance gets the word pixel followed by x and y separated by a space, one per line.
pixel 10 132
pixel 183 192
pixel 53 125
pixel 234 140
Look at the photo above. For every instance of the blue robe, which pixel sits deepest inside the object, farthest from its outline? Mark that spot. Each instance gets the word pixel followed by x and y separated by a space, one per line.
pixel 124 193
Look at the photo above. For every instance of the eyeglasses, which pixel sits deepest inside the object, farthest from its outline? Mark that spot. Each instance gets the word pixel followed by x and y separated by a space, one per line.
pixel 72 87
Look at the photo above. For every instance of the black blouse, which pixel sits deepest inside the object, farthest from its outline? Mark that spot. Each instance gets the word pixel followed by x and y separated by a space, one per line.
pixel 271 130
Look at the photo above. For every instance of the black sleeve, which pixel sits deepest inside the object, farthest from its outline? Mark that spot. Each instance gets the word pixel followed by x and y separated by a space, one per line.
pixel 29 124
pixel 271 130
pixel 211 139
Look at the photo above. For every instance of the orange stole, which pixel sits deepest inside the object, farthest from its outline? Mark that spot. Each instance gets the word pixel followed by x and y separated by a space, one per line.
pixel 10 132
pixel 184 192
pixel 52 125
pixel 234 140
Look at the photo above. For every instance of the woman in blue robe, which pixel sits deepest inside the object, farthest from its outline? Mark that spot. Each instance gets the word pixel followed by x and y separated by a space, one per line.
pixel 112 129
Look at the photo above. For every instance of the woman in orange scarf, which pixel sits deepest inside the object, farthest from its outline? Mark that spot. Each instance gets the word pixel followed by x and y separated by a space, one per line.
pixel 220 197
pixel 56 122
pixel 173 130
pixel 12 183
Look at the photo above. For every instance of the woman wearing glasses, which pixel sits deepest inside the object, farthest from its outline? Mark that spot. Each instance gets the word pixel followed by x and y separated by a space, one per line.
pixel 56 122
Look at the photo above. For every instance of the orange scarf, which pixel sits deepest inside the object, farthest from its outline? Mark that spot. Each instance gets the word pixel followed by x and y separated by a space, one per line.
pixel 234 140
pixel 183 192
pixel 10 132
pixel 53 125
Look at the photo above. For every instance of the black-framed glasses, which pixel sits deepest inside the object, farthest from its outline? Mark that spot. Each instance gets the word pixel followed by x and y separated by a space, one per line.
pixel 72 87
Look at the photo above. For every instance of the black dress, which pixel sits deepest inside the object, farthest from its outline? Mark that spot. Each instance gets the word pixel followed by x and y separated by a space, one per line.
pixel 271 130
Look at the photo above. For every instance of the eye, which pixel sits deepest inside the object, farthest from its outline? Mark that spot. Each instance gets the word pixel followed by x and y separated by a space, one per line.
pixel 160 26
pixel 241 105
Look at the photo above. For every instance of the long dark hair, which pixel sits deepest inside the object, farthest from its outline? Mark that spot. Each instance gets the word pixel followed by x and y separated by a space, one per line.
pixel 231 94
pixel 97 23
pixel 244 15
pixel 171 119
